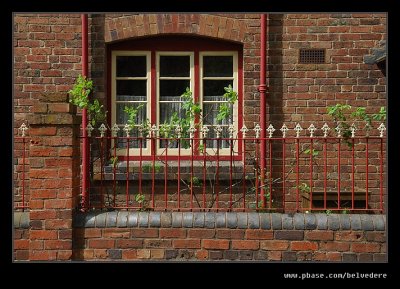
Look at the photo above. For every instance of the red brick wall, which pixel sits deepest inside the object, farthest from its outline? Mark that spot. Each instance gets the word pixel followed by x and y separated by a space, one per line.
pixel 21 244
pixel 323 240
pixel 301 92
pixel 47 49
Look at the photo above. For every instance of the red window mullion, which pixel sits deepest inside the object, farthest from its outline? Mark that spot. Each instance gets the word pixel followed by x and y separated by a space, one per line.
pixel 196 96
pixel 153 95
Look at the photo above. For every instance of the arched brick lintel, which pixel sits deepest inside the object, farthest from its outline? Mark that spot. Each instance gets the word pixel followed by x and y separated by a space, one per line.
pixel 132 26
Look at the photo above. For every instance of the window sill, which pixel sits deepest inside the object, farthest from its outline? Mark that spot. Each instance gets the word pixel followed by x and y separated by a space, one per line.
pixel 144 170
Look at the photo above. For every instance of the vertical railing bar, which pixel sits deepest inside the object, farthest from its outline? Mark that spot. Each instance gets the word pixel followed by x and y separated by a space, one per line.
pixel 325 172
pixel 101 173
pixel 204 173
pixel 217 175
pixel 191 173
pixel 127 172
pixel 23 172
pixel 179 173
pixel 381 177
pixel 297 175
pixel 140 168
pixel 256 170
pixel 270 173
pixel 367 174
pixel 153 150
pixel 87 200
pixel 311 172
pixel 114 170
pixel 352 174
pixel 338 191
pixel 230 173
pixel 244 174
pixel 166 174
pixel 283 175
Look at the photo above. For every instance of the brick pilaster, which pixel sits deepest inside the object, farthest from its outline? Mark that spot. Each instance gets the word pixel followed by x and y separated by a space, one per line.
pixel 54 128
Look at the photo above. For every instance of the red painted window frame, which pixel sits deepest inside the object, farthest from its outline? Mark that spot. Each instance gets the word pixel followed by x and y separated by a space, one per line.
pixel 178 43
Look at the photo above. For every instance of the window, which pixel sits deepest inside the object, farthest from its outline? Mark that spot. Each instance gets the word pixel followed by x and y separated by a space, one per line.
pixel 131 87
pixel 217 71
pixel 155 80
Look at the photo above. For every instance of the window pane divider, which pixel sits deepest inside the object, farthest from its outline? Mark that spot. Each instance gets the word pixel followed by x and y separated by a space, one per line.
pixel 218 78
pixel 131 78
pixel 174 78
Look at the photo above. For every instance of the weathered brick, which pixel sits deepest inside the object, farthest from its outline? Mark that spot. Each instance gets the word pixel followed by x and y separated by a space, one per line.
pixel 375 236
pixel 152 243
pixel 157 253
pixel 274 245
pixel 289 235
pixel 143 254
pixel 202 255
pixel 303 246
pixel 216 244
pixel 335 246
pixel 230 233
pixel 129 244
pixel 201 233
pixel 144 233
pixel 319 235
pixel 129 254
pixel 365 247
pixel 173 233
pixel 101 244
pixel 259 235
pixel 248 244
pixel 231 255
pixel 215 255
pixel 187 243
pixel 115 233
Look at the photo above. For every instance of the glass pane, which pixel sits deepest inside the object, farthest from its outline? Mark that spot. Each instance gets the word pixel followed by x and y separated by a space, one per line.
pixel 133 66
pixel 133 143
pixel 131 90
pixel 168 109
pixel 210 112
pixel 172 88
pixel 214 89
pixel 174 66
pixel 218 66
pixel 223 142
pixel 122 117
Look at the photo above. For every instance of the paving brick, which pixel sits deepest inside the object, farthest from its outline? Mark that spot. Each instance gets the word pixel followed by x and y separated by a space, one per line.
pixel 198 220
pixel 276 221
pixel 143 219
pixel 287 222
pixel 242 220
pixel 133 219
pixel 220 220
pixel 155 219
pixel 122 219
pixel 188 219
pixel 231 220
pixel 254 220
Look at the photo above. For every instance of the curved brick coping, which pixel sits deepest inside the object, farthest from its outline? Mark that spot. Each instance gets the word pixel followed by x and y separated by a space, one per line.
pixel 232 220
pixel 21 220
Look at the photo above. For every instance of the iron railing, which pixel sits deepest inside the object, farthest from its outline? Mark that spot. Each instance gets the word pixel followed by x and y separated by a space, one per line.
pixel 316 172
pixel 21 196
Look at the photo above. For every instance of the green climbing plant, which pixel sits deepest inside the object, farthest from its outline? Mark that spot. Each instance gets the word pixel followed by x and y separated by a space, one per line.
pixel 231 97
pixel 79 96
pixel 344 115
